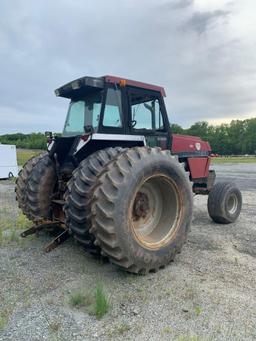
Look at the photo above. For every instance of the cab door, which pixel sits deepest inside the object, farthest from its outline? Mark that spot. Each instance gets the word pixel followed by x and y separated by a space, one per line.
pixel 147 116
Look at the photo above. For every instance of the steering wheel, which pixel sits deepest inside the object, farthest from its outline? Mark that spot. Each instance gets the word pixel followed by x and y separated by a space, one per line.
pixel 133 122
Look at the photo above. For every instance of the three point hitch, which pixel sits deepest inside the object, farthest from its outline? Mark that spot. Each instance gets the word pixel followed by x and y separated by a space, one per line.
pixel 40 225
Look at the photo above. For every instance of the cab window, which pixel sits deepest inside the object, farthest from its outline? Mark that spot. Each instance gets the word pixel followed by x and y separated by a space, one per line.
pixel 146 112
pixel 83 112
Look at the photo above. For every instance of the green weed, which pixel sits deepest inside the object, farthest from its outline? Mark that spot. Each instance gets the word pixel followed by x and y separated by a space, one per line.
pixel 167 330
pixel 96 301
pixel 14 237
pixel 22 222
pixel 101 301
pixel 198 311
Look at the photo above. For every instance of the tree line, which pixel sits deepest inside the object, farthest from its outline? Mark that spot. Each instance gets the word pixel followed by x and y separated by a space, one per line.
pixel 28 141
pixel 236 138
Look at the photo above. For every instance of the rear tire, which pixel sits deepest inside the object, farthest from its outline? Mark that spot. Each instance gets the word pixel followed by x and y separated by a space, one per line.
pixel 22 181
pixel 224 203
pixel 39 188
pixel 142 209
pixel 79 194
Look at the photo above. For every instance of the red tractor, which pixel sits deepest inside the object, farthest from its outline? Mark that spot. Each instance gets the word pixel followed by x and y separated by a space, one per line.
pixel 118 180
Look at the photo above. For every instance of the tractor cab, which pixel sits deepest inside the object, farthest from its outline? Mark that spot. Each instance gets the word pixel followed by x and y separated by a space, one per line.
pixel 118 111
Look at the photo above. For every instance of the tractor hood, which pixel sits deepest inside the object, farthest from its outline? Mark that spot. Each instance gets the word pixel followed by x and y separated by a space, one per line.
pixel 187 145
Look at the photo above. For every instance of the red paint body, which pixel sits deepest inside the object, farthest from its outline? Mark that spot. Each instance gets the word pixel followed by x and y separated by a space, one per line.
pixel 199 167
pixel 186 143
pixel 200 150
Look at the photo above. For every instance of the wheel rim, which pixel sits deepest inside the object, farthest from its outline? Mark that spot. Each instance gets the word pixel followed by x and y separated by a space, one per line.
pixel 155 211
pixel 232 204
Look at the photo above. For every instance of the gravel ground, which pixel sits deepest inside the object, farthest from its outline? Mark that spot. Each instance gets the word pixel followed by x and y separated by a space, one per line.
pixel 207 293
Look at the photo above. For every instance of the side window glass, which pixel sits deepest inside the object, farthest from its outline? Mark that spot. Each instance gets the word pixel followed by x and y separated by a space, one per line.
pixel 112 112
pixel 75 120
pixel 142 116
pixel 146 113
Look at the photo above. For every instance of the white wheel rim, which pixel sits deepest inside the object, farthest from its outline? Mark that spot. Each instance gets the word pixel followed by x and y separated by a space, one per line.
pixel 155 211
pixel 232 204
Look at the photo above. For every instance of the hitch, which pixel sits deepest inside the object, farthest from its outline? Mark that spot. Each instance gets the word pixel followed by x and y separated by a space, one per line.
pixel 38 227
pixel 64 235
pixel 57 241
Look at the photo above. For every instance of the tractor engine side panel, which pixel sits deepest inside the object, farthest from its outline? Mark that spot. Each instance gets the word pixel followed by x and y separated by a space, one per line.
pixel 198 167
pixel 195 153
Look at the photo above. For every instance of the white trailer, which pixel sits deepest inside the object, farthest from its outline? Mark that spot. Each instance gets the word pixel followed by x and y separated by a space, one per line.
pixel 8 161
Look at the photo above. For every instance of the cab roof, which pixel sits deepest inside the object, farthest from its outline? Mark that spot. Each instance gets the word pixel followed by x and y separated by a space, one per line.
pixel 75 87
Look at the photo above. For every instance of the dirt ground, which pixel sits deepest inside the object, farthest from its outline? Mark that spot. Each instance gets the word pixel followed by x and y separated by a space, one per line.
pixel 207 293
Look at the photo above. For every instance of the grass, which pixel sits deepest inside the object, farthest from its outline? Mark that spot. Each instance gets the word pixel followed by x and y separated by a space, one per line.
pixel 6 222
pixel 9 228
pixel 3 321
pixel 22 222
pixel 4 316
pixel 25 154
pixel 9 237
pixel 14 237
pixel 198 310
pixel 97 301
pixel 79 299
pixel 101 301
pixel 167 330
pixel 234 159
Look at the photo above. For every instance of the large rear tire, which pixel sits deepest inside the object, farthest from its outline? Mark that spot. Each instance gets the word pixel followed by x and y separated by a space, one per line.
pixel 22 180
pixel 142 209
pixel 39 188
pixel 79 194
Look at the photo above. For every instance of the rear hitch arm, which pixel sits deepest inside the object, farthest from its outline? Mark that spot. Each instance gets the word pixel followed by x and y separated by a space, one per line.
pixel 64 235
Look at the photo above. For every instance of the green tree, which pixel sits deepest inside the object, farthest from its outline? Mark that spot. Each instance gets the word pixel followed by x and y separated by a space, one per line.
pixel 199 129
pixel 176 129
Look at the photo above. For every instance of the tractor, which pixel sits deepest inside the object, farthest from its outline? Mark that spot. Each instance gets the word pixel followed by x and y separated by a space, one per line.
pixel 118 179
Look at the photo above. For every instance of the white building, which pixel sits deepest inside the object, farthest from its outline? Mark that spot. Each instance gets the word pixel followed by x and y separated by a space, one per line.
pixel 8 161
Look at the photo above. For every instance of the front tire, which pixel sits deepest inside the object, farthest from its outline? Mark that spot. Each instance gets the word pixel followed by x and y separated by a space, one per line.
pixel 142 209
pixel 224 203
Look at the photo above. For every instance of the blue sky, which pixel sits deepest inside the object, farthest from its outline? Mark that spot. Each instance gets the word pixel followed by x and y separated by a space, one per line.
pixel 202 52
